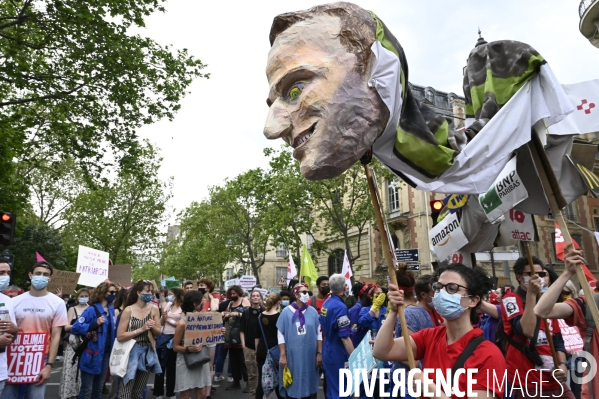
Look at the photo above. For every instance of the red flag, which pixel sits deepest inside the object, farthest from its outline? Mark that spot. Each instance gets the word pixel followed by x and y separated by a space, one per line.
pixel 560 246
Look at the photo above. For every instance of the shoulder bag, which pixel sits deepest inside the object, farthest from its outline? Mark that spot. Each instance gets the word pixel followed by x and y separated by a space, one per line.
pixel 119 357
pixel 194 360
pixel 275 351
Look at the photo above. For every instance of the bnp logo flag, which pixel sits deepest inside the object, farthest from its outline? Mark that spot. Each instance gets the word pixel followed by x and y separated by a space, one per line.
pixel 505 192
pixel 307 269
pixel 560 249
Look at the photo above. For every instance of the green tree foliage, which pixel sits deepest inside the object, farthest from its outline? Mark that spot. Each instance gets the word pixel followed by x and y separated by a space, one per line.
pixel 289 217
pixel 124 217
pixel 74 81
pixel 37 238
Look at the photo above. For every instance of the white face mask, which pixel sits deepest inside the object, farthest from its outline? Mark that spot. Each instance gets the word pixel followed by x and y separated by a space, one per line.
pixel 527 281
pixel 304 298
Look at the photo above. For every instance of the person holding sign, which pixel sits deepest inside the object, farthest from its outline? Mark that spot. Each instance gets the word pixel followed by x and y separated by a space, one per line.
pixel 98 322
pixel 140 321
pixel 458 292
pixel 40 316
pixel 187 379
pixel 8 328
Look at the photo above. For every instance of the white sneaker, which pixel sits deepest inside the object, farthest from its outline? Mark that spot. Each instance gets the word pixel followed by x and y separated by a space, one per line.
pixel 218 378
pixel 58 358
pixel 230 379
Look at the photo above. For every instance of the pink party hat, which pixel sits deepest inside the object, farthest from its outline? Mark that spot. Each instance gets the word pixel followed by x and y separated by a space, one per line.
pixel 39 257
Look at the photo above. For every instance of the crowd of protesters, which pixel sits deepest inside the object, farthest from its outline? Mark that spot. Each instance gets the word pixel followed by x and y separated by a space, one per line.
pixel 290 341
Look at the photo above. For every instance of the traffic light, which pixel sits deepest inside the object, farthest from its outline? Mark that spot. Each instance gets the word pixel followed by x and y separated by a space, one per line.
pixel 7 228
pixel 436 207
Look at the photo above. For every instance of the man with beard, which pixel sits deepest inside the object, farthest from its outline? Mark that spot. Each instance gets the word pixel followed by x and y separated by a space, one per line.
pixel 248 330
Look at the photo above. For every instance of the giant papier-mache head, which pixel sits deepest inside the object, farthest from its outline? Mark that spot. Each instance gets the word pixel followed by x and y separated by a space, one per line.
pixel 320 101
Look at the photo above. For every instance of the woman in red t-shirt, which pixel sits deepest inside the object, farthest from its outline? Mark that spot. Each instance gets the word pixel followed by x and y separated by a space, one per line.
pixel 458 293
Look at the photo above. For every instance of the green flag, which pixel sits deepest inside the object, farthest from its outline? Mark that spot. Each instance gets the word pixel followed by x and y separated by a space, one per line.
pixel 308 270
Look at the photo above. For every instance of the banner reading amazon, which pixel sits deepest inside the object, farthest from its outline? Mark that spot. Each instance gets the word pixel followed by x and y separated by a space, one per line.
pixel 447 237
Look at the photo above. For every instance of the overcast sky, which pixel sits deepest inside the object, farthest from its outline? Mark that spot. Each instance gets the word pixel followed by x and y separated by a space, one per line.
pixel 218 132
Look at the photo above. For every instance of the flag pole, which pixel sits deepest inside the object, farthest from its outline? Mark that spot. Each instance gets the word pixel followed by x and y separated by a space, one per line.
pixel 536 146
pixel 546 324
pixel 388 259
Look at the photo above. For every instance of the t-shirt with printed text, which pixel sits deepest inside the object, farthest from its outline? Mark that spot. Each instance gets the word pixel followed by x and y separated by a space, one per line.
pixel 39 314
pixel 432 348
pixel 518 364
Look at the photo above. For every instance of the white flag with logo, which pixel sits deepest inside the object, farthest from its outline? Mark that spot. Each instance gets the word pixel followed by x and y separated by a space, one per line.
pixel 447 237
pixel 584 97
pixel 346 271
pixel 291 269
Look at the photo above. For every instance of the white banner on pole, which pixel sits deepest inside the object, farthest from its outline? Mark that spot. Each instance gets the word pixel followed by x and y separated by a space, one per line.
pixel 93 266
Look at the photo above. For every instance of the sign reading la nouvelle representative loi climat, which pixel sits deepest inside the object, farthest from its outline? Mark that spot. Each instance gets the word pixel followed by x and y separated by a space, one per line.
pixel 506 192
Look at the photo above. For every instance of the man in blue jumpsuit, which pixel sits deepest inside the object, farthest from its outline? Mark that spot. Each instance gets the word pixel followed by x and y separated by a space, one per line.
pixel 337 345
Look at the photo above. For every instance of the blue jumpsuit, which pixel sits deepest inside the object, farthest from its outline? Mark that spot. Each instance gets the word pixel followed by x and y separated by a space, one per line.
pixel 335 325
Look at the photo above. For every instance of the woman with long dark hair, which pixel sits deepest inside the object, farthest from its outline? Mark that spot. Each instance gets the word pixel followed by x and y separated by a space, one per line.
pixel 140 320
pixel 458 294
pixel 231 320
pixel 197 378
pixel 98 322
pixel 164 345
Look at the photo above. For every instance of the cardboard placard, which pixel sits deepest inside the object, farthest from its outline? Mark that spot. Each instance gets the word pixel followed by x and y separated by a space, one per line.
pixel 120 274
pixel 93 266
pixel 26 357
pixel 172 284
pixel 65 280
pixel 247 282
pixel 203 328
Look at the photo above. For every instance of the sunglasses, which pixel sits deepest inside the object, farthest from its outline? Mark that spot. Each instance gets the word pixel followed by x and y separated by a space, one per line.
pixel 112 292
pixel 303 292
pixel 566 293
pixel 451 288
pixel 541 274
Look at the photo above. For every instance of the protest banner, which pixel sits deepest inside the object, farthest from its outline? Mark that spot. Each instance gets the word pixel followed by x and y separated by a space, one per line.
pixel 361 359
pixel 447 237
pixel 518 226
pixel 120 274
pixel 229 283
pixel 26 357
pixel 506 192
pixel 172 284
pixel 93 266
pixel 65 280
pixel 203 328
pixel 247 282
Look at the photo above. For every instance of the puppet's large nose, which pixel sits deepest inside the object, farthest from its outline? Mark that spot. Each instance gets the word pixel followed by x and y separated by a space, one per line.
pixel 278 123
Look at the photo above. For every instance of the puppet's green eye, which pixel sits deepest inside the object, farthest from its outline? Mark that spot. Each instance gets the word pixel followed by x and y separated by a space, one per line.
pixel 295 91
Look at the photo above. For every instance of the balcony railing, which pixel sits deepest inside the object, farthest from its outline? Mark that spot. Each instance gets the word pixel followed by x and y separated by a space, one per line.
pixel 584 6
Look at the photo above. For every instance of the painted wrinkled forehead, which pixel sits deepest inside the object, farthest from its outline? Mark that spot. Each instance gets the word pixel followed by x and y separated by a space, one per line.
pixel 303 41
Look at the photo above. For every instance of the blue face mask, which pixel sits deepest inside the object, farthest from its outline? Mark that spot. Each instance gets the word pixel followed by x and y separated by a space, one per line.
pixel 146 297
pixel 169 298
pixel 83 301
pixel 285 302
pixel 110 298
pixel 4 281
pixel 448 305
pixel 39 282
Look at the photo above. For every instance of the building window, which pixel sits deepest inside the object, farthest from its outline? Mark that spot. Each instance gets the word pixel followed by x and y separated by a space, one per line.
pixel 281 251
pixel 578 239
pixel 309 240
pixel 229 273
pixel 393 196
pixel 336 261
pixel 570 212
pixel 281 272
pixel 596 224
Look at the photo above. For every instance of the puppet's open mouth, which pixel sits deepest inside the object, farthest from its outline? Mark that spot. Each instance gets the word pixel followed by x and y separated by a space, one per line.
pixel 304 137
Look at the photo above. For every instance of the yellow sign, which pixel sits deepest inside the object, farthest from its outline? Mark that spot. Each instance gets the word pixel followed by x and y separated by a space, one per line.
pixel 456 201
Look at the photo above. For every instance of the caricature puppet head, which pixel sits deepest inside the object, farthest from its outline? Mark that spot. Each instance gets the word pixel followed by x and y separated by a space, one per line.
pixel 320 101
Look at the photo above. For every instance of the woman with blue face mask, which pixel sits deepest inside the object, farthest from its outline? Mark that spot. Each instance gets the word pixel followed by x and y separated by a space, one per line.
pixel 457 297
pixel 140 321
pixel 70 383
pixel 98 323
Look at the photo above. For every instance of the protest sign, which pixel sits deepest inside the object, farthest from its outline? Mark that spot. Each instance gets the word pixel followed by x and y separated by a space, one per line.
pixel 262 291
pixel 361 359
pixel 120 274
pixel 518 226
pixel 26 357
pixel 506 192
pixel 65 280
pixel 447 237
pixel 93 266
pixel 247 282
pixel 172 284
pixel 572 339
pixel 229 283
pixel 203 328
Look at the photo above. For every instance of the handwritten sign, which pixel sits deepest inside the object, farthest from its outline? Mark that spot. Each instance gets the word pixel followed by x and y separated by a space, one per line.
pixel 26 357
pixel 247 282
pixel 120 274
pixel 93 266
pixel 65 280
pixel 572 339
pixel 203 328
